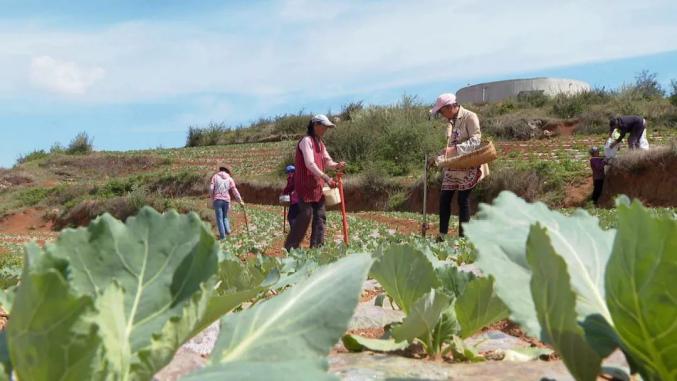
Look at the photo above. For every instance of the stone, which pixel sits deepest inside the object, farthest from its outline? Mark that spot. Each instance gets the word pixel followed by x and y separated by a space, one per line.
pixel 374 366
pixel 493 340
pixel 371 316
pixel 184 362
pixel 203 343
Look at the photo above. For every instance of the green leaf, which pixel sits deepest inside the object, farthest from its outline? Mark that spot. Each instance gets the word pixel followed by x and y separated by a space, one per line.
pixel 526 354
pixel 220 305
pixel 405 274
pixel 463 352
pixel 298 327
pixel 500 234
pixel 130 295
pixel 423 317
pixel 641 293
pixel 479 306
pixel 47 335
pixel 453 280
pixel 7 299
pixel 555 306
pixel 355 343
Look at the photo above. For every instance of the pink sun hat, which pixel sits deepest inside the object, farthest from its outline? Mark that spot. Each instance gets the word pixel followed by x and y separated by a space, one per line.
pixel 443 100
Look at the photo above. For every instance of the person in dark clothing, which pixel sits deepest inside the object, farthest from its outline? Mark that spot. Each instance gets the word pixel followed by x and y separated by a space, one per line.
pixel 597 166
pixel 633 124
pixel 293 196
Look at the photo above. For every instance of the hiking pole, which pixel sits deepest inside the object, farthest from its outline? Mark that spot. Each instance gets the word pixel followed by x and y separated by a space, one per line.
pixel 424 225
pixel 339 176
pixel 284 218
pixel 246 221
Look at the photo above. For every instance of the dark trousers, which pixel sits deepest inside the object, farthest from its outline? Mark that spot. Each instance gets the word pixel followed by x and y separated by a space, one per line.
pixel 307 211
pixel 445 209
pixel 597 189
pixel 293 212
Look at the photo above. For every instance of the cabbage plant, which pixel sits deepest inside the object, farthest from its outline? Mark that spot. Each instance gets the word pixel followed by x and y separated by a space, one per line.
pixel 586 290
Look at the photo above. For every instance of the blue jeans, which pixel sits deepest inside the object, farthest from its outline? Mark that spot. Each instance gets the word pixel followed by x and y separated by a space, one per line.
pixel 221 209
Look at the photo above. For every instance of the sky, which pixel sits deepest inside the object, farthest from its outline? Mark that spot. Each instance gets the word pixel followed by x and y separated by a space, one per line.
pixel 136 73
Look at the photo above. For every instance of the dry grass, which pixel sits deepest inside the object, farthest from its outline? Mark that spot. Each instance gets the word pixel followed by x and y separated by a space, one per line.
pixel 638 160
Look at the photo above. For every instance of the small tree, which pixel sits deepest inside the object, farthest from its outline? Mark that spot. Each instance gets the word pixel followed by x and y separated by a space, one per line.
pixel 81 144
pixel 646 86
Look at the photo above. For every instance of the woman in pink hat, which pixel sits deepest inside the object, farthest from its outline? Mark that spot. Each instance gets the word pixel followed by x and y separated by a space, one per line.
pixel 463 136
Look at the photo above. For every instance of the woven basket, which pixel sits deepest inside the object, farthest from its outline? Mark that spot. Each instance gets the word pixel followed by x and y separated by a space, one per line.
pixel 485 154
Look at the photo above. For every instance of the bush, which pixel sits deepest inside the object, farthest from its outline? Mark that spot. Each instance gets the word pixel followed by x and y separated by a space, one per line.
pixel 646 86
pixel 568 106
pixel 57 148
pixel 33 196
pixel 35 155
pixel 394 138
pixel 673 92
pixel 532 98
pixel 210 136
pixel 81 144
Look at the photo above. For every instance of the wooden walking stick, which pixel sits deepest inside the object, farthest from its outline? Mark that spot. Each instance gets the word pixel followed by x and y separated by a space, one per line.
pixel 424 225
pixel 339 177
pixel 246 221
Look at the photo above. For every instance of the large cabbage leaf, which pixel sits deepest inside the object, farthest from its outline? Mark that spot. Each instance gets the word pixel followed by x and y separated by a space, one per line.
pixel 406 275
pixel 640 291
pixel 289 336
pixel 556 307
pixel 113 299
pixel 479 306
pixel 500 232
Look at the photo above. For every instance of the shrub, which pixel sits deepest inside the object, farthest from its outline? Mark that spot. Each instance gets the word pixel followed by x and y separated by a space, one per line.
pixel 211 135
pixel 646 86
pixel 673 92
pixel 532 98
pixel 568 106
pixel 35 155
pixel 57 148
pixel 33 196
pixel 81 144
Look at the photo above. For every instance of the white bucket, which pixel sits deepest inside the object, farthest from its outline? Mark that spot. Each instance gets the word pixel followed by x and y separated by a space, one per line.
pixel 331 196
pixel 285 199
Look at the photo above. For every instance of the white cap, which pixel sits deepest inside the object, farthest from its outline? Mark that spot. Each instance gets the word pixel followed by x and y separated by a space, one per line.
pixel 320 118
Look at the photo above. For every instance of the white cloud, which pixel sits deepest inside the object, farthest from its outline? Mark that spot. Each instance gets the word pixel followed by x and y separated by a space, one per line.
pixel 296 47
pixel 63 77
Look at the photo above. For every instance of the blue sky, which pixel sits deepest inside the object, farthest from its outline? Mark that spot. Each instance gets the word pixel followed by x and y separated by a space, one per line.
pixel 136 74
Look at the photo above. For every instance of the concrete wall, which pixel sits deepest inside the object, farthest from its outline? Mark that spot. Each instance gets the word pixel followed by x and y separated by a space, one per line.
pixel 496 91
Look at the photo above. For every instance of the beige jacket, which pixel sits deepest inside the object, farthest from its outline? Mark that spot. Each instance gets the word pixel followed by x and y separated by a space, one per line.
pixel 464 132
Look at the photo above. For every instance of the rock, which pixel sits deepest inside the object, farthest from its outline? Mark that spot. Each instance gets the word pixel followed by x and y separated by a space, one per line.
pixel 185 361
pixel 204 342
pixel 371 316
pixel 370 285
pixel 494 340
pixel 373 366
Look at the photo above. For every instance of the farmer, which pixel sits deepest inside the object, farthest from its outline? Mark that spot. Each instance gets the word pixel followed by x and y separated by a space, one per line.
pixel 293 196
pixel 635 125
pixel 463 136
pixel 311 161
pixel 220 189
pixel 597 166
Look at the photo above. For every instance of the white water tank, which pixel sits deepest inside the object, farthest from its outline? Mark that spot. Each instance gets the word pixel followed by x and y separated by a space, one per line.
pixel 499 90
